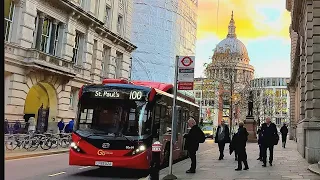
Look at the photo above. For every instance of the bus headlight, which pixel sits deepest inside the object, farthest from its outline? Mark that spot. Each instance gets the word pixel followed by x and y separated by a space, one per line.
pixel 138 150
pixel 75 146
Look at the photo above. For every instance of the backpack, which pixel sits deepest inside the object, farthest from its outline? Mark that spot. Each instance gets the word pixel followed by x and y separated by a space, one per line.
pixel 202 137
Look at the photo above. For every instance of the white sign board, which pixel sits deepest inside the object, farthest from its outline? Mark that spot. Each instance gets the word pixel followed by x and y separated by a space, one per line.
pixel 186 72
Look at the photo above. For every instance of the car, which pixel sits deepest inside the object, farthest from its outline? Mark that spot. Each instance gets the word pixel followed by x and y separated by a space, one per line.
pixel 208 131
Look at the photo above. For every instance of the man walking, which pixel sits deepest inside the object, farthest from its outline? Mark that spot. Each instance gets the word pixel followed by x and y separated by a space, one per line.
pixel 284 133
pixel 241 138
pixel 222 137
pixel 192 143
pixel 270 136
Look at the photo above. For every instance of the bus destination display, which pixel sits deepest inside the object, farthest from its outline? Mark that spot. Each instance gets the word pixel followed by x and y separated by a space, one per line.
pixel 132 95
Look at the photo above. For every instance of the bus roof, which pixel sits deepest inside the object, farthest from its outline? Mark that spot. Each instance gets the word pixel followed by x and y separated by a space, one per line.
pixel 178 98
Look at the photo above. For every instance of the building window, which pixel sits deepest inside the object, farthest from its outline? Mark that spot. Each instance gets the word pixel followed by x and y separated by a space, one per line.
pixel 8 18
pixel 71 99
pixel 45 37
pixel 119 59
pixel 56 41
pixel 105 61
pixel 119 24
pixel 108 16
pixel 76 51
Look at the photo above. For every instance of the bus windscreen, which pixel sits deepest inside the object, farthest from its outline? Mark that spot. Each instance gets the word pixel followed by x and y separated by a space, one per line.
pixel 115 117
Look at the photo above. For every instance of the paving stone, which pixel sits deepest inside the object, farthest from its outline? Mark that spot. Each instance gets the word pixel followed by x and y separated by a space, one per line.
pixel 288 165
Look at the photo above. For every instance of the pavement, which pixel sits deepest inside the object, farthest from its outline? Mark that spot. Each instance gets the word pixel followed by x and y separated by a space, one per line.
pixel 288 164
pixel 22 153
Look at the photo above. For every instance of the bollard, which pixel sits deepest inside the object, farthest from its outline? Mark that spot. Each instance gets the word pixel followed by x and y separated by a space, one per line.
pixel 155 163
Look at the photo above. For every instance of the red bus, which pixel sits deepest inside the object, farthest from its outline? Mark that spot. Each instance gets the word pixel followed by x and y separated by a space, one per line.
pixel 118 121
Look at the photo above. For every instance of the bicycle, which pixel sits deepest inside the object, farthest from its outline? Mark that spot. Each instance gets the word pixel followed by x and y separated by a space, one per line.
pixel 18 141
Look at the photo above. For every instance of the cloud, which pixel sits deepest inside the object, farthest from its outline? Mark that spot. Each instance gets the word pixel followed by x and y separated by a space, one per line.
pixel 262 25
pixel 253 18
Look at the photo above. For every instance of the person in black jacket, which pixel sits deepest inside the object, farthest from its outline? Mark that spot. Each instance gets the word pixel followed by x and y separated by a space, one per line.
pixel 284 133
pixel 260 143
pixel 269 137
pixel 240 141
pixel 222 137
pixel 192 143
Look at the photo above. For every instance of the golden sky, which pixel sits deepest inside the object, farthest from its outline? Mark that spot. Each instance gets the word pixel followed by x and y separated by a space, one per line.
pixel 254 18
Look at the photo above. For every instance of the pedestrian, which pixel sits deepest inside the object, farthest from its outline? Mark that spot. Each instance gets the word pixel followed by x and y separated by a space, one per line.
pixel 260 143
pixel 284 133
pixel 193 138
pixel 222 137
pixel 270 138
pixel 60 126
pixel 239 144
pixel 69 126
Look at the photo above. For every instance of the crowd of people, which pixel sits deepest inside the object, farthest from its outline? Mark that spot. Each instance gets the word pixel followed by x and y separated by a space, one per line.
pixel 268 137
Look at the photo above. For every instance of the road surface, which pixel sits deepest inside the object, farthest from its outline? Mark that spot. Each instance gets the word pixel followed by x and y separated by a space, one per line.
pixel 56 167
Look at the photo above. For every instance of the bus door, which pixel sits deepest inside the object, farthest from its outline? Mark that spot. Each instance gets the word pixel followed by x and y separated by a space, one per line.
pixel 184 128
pixel 178 131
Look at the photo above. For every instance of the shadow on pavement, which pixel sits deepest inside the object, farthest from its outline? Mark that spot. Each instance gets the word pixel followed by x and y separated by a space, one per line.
pixel 113 173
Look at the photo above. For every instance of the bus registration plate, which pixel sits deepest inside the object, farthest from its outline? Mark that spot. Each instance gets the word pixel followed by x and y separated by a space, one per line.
pixel 103 163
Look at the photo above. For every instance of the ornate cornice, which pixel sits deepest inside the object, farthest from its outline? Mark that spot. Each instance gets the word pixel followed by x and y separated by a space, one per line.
pixel 298 6
pixel 296 63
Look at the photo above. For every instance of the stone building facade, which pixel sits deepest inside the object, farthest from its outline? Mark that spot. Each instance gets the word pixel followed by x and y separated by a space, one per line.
pixel 271 99
pixel 204 92
pixel 304 85
pixel 53 47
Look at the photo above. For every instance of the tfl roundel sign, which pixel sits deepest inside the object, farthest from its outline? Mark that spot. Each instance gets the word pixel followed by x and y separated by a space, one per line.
pixel 186 62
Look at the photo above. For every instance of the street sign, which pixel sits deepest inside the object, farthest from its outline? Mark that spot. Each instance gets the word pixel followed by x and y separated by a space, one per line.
pixel 185 72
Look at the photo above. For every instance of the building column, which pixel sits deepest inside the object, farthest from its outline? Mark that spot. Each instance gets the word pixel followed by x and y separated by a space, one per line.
pixel 311 123
pixel 39 31
pixel 53 36
pixel 292 113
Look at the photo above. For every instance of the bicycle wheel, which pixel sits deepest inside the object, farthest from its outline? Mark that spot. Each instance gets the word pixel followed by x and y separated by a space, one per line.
pixel 64 142
pixel 11 145
pixel 45 143
pixel 33 144
pixel 54 142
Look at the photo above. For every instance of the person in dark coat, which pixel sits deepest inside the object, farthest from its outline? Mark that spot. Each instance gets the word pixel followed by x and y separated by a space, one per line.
pixel 239 142
pixel 269 137
pixel 284 133
pixel 192 143
pixel 260 143
pixel 222 137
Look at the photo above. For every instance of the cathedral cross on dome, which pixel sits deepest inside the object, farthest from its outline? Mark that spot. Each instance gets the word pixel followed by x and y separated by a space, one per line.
pixel 232 28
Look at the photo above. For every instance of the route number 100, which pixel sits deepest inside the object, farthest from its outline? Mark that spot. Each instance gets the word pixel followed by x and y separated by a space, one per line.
pixel 135 95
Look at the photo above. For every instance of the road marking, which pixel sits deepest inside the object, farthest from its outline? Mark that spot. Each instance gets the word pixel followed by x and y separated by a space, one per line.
pixel 35 157
pixel 56 174
pixel 85 167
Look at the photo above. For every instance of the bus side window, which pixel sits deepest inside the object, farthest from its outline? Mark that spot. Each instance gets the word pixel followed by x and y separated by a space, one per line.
pixel 163 114
pixel 179 122
pixel 156 124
